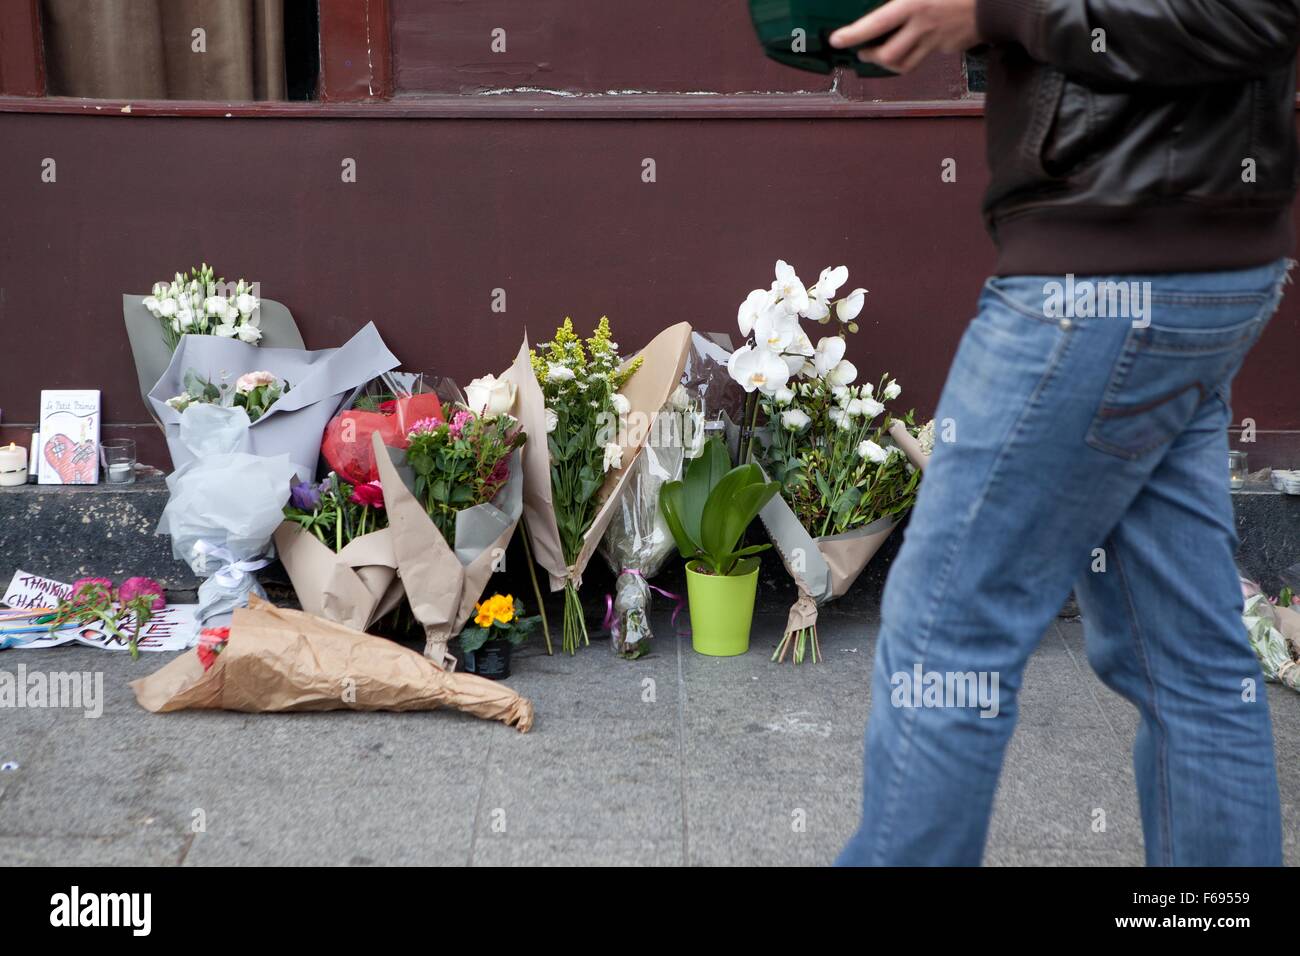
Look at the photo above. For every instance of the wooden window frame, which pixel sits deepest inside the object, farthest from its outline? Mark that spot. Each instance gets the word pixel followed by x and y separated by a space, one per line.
pixel 355 59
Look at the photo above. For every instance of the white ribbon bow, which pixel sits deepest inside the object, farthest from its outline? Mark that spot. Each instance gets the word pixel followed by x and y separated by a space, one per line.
pixel 232 571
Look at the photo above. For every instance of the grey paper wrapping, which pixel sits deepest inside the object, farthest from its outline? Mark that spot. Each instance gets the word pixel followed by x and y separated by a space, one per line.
pixel 355 587
pixel 224 505
pixel 442 585
pixel 281 660
pixel 319 382
pixel 647 392
pixel 152 356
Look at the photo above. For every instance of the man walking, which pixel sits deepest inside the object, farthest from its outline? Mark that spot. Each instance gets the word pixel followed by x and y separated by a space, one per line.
pixel 1143 162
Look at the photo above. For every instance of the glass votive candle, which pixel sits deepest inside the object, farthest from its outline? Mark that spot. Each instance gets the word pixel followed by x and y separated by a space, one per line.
pixel 118 455
pixel 1237 469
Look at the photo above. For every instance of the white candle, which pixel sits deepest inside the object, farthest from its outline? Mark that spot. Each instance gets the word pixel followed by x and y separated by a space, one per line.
pixel 120 471
pixel 13 465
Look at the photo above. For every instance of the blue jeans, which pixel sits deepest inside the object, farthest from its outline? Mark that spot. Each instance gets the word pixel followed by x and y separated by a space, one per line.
pixel 1087 450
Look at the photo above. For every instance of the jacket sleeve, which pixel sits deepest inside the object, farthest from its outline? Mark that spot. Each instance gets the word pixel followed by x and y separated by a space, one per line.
pixel 1149 42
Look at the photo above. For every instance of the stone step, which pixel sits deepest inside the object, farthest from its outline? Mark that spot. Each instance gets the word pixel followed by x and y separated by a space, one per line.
pixel 67 532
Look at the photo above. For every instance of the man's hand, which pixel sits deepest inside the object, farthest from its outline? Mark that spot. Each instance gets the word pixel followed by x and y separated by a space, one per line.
pixel 923 26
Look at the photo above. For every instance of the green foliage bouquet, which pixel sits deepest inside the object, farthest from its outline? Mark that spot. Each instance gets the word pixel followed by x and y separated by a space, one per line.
pixel 580 381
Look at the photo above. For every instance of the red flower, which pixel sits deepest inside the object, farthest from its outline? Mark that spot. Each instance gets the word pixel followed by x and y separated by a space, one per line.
pixel 371 495
pixel 389 407
pixel 212 641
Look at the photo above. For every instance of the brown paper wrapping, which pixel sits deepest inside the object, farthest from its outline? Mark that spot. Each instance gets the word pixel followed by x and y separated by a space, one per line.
pixel 284 660
pixel 663 362
pixel 841 558
pixel 442 585
pixel 356 586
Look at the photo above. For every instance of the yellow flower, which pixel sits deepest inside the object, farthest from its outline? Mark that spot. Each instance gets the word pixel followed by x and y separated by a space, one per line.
pixel 499 607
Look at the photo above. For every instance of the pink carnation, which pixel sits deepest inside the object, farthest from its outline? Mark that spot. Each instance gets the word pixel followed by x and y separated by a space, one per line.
pixel 147 588
pixel 85 588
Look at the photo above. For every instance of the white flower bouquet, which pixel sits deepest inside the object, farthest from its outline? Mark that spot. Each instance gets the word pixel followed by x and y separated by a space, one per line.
pixel 847 467
pixel 200 303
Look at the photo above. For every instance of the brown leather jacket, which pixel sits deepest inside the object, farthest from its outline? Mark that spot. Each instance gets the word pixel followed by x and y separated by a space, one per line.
pixel 1140 135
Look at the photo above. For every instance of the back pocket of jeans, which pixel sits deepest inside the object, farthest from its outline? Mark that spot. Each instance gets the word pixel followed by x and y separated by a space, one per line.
pixel 1159 381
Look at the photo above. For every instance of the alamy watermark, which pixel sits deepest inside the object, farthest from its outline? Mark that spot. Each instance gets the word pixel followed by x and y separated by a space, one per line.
pixel 922 688
pixel 81 690
pixel 1098 299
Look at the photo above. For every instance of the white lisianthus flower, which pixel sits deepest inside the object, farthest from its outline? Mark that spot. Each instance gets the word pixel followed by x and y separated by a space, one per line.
pixel 621 405
pixel 226 331
pixel 794 297
pixel 184 319
pixel 151 303
pixel 167 308
pixel 892 391
pixel 893 451
pixel 841 417
pixel 249 333
pixel 246 304
pixel 159 290
pixel 872 452
pixel 552 420
pixel 559 373
pixel 866 407
pixel 827 355
pixel 843 373
pixel 215 305
pixel 849 307
pixel 758 369
pixel 232 313
pixel 613 456
pixel 489 396
pixel 179 402
pixel 758 302
pixel 783 396
pixel 794 419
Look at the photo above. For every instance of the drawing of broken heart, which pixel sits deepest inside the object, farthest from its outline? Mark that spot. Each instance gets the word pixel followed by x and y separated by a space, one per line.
pixel 74 462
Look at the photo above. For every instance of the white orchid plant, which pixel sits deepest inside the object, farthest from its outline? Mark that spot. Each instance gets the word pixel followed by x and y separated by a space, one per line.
pixel 202 304
pixel 827 442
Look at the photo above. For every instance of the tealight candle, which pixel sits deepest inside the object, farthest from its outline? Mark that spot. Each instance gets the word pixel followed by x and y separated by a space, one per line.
pixel 13 465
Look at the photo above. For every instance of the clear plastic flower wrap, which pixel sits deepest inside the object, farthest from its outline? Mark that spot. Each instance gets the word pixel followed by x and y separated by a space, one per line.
pixel 637 540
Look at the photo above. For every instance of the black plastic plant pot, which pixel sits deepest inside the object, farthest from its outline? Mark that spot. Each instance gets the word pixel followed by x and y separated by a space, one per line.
pixel 796 33
pixel 492 660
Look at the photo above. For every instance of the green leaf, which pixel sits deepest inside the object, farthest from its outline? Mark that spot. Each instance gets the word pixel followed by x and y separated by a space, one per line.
pixel 672 503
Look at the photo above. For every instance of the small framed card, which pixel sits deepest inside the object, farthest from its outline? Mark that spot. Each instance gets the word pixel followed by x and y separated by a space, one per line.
pixel 69 437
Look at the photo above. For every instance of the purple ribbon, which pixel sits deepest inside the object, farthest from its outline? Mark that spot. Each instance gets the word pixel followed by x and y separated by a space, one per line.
pixel 611 619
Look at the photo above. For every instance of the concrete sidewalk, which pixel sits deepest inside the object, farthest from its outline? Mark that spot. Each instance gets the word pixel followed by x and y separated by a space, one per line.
pixel 674 758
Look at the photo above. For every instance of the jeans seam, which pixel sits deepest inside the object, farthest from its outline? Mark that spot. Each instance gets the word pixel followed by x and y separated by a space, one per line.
pixel 927 629
pixel 1164 809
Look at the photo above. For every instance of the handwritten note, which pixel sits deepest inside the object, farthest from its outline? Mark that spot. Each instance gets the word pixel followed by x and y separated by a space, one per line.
pixel 170 629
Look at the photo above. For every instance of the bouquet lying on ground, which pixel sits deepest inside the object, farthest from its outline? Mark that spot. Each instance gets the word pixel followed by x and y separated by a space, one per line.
pixel 1273 628
pixel 274 659
pixel 123 609
pixel 254 392
pixel 840 457
pixel 202 304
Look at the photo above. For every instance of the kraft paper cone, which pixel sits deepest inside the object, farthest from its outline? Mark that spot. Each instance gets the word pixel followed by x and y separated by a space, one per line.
pixel 442 585
pixel 825 568
pixel 281 660
pixel 663 362
pixel 356 586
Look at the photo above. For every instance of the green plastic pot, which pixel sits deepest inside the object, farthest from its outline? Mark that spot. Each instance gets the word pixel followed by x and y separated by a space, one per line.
pixel 722 608
pixel 777 20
